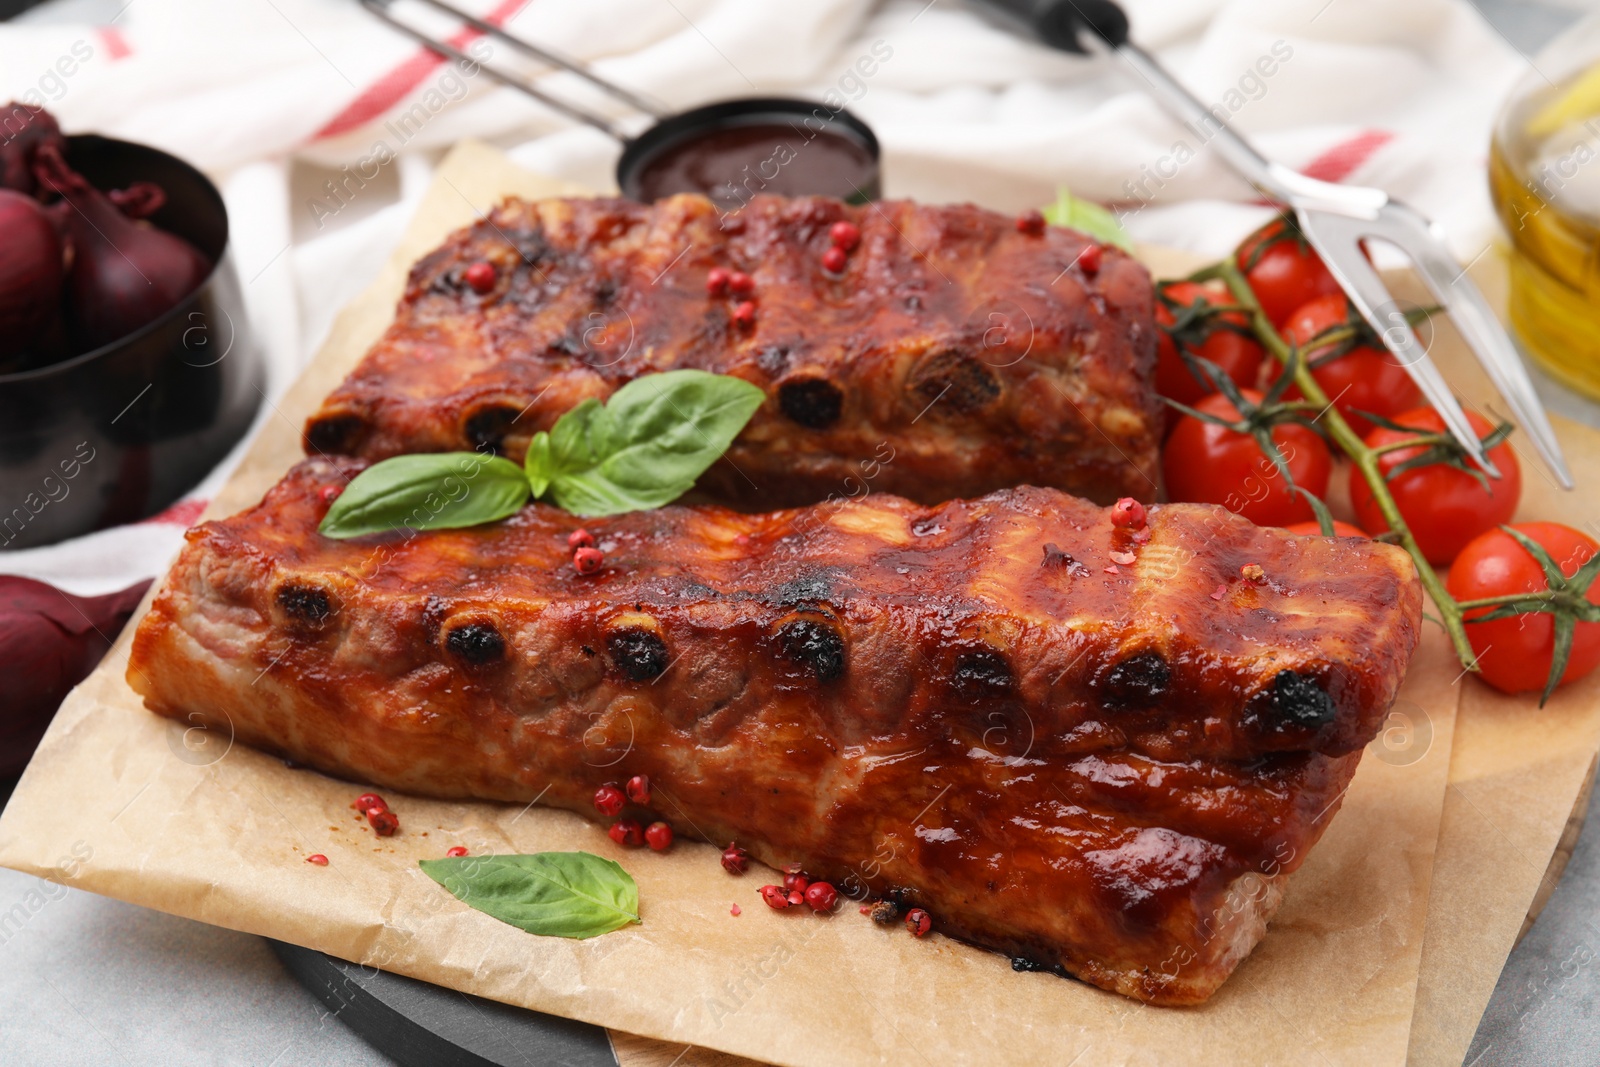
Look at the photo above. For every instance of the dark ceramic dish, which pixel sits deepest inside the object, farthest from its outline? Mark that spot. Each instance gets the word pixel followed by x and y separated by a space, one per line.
pixel 116 434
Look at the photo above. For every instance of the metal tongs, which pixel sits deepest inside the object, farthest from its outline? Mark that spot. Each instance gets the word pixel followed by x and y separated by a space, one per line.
pixel 1335 219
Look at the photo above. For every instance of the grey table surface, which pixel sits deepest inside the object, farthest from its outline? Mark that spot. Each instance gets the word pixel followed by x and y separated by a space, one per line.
pixel 86 980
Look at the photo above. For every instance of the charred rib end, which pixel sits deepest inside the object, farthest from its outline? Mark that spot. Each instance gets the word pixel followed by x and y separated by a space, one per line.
pixel 340 435
pixel 1300 701
pixel 478 643
pixel 815 645
pixel 638 653
pixel 814 403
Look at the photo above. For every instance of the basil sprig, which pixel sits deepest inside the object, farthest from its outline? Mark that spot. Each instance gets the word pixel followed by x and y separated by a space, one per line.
pixel 641 449
pixel 553 894
pixel 645 447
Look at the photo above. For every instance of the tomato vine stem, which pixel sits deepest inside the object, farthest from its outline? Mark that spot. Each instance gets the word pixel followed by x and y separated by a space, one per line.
pixel 1363 458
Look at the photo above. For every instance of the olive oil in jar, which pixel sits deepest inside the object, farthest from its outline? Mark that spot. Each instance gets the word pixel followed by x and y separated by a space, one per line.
pixel 1544 176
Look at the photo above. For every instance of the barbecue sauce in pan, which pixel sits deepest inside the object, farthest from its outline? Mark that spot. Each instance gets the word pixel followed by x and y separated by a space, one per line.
pixel 730 164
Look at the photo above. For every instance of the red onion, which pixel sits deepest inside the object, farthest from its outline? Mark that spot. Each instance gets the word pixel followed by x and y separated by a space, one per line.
pixel 31 275
pixel 124 273
pixel 49 642
pixel 139 200
pixel 23 128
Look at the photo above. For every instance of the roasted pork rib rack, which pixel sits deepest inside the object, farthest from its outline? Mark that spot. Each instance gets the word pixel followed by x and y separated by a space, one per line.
pixel 1089 747
pixel 954 355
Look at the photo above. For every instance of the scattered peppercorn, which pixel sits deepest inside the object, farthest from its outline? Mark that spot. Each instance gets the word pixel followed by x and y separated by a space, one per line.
pixel 1219 592
pixel 736 911
pixel 775 897
pixel 741 284
pixel 367 801
pixel 834 259
pixel 885 912
pixel 626 832
pixel 796 898
pixel 1127 559
pixel 1030 223
pixel 658 835
pixel 330 493
pixel 385 823
pixel 845 235
pixel 1128 513
pixel 735 860
pixel 1089 260
pixel 821 896
pixel 744 313
pixel 481 276
pixel 794 878
pixel 588 560
pixel 918 922
pixel 608 800
pixel 638 789
pixel 579 538
pixel 456 851
pixel 317 858
pixel 866 909
pixel 717 281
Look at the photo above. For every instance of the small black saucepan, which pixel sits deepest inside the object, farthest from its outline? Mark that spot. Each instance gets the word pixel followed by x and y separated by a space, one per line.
pixel 115 434
pixel 729 151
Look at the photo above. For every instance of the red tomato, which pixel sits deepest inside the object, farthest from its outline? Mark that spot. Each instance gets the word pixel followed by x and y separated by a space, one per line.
pixel 1314 529
pixel 1365 378
pixel 1445 506
pixel 1212 464
pixel 1514 654
pixel 1239 356
pixel 1283 270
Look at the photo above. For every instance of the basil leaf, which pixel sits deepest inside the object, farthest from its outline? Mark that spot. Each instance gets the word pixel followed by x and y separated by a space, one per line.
pixel 430 491
pixel 646 446
pixel 553 894
pixel 536 464
pixel 1086 216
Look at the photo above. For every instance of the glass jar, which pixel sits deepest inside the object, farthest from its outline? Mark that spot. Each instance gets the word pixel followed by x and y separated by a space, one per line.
pixel 1544 176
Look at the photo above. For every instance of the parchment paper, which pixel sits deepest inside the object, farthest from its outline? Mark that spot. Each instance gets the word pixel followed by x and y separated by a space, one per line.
pixel 1515 773
pixel 185 822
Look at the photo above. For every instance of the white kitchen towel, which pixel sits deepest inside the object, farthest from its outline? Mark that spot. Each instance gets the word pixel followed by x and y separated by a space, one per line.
pixel 277 98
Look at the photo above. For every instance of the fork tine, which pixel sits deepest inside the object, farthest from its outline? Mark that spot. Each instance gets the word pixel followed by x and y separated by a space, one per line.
pixel 1337 240
pixel 1483 333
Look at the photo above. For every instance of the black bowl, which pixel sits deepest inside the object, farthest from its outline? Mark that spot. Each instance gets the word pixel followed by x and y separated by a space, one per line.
pixel 804 122
pixel 116 434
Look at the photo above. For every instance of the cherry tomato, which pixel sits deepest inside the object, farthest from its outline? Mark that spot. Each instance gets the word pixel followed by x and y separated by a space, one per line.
pixel 1238 355
pixel 1514 654
pixel 1444 505
pixel 1365 378
pixel 1314 529
pixel 1283 270
pixel 1212 464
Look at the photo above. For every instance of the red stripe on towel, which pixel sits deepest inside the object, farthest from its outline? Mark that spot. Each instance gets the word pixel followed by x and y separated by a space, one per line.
pixel 1346 157
pixel 394 86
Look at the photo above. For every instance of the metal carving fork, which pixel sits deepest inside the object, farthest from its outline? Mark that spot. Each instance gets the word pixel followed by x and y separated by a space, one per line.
pixel 1335 219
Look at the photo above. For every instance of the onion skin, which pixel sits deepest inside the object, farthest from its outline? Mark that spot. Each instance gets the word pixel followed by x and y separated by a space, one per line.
pixel 49 642
pixel 31 276
pixel 139 200
pixel 23 128
pixel 125 274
